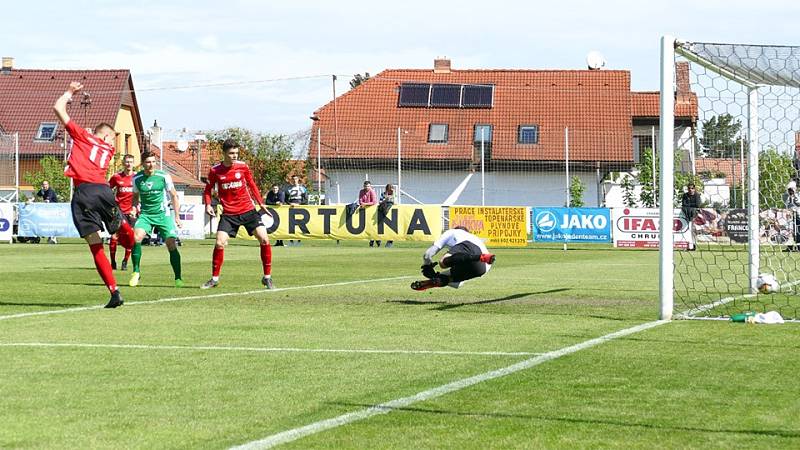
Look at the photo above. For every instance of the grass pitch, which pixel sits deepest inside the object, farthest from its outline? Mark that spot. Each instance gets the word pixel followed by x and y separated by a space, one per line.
pixel 185 368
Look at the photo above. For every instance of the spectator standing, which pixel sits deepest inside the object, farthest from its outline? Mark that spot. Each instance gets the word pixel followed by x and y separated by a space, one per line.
pixel 296 194
pixel 792 202
pixel 367 197
pixel 275 197
pixel 48 195
pixel 690 205
pixel 386 203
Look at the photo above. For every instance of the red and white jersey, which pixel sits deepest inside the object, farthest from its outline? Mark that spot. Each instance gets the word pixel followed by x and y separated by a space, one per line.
pixel 124 190
pixel 89 157
pixel 235 188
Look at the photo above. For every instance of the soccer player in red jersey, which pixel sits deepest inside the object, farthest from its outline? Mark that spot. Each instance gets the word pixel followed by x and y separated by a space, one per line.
pixel 122 185
pixel 236 191
pixel 93 202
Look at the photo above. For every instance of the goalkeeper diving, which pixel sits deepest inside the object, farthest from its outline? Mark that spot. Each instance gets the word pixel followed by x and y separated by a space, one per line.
pixel 466 258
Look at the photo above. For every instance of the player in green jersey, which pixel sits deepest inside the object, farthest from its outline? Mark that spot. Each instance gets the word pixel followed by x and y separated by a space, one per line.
pixel 151 188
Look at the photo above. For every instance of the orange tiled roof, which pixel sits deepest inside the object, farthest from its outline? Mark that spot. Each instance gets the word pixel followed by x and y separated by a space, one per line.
pixel 646 104
pixel 27 97
pixel 731 168
pixel 596 105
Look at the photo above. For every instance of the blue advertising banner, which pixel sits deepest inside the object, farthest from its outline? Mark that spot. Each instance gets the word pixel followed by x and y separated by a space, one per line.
pixel 571 225
pixel 45 220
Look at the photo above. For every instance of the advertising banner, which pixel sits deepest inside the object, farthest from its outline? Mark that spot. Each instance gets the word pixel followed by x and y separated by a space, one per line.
pixel 639 228
pixel 194 222
pixel 731 227
pixel 45 220
pixel 571 225
pixel 401 223
pixel 6 221
pixel 499 226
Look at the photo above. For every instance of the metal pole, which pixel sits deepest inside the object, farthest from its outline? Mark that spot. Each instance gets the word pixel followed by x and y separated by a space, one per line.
pixel 741 172
pixel 752 180
pixel 566 172
pixel 319 163
pixel 483 178
pixel 666 125
pixel 653 164
pixel 16 169
pixel 399 166
pixel 335 119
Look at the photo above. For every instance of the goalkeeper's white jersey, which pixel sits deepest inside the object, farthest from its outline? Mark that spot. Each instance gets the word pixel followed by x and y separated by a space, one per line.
pixel 454 237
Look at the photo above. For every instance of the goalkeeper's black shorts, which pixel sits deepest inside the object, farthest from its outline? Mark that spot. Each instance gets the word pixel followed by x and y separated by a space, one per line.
pixel 466 270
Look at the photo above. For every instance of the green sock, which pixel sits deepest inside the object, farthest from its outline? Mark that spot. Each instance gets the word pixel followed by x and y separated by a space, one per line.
pixel 136 256
pixel 175 261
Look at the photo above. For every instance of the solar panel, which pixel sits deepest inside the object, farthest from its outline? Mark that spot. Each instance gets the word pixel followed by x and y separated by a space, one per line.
pixel 414 94
pixel 446 95
pixel 476 96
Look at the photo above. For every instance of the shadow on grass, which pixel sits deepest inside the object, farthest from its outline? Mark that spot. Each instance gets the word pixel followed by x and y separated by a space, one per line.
pixel 446 305
pixel 620 423
pixel 43 305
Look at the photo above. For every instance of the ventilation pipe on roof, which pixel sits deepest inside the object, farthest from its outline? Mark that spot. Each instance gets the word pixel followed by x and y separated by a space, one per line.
pixel 8 64
pixel 441 65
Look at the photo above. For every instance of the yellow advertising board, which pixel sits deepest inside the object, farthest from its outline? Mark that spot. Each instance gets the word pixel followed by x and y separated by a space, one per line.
pixel 500 226
pixel 401 223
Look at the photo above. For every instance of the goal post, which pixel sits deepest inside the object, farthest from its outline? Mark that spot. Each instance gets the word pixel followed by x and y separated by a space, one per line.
pixel 747 119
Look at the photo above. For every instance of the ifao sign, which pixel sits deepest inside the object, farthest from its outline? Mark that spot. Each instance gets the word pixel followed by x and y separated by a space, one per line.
pixel 639 228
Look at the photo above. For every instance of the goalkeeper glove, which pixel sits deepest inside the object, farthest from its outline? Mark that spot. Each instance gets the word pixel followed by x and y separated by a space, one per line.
pixel 427 270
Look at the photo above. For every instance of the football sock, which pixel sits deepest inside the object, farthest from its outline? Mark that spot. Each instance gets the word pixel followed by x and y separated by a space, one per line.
pixel 175 262
pixel 125 235
pixel 136 256
pixel 266 258
pixel 103 266
pixel 216 261
pixel 112 248
pixel 127 255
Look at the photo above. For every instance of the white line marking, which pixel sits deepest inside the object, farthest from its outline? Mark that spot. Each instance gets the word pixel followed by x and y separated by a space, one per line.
pixel 384 408
pixel 201 297
pixel 689 314
pixel 260 349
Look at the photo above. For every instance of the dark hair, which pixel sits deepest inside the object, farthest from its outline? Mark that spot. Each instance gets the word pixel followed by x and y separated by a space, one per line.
pixel 102 125
pixel 690 185
pixel 275 185
pixel 146 155
pixel 128 156
pixel 461 227
pixel 367 183
pixel 229 144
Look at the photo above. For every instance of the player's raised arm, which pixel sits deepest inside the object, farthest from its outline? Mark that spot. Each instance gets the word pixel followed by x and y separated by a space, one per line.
pixel 60 107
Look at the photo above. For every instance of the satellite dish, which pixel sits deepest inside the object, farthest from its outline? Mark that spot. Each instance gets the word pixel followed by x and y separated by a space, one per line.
pixel 183 145
pixel 595 60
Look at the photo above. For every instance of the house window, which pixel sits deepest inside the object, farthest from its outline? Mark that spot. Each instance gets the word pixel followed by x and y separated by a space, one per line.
pixel 482 140
pixel 47 131
pixel 437 133
pixel 528 134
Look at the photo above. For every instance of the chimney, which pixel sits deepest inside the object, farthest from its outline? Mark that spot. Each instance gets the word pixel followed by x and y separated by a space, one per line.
pixel 441 65
pixel 682 78
pixel 8 64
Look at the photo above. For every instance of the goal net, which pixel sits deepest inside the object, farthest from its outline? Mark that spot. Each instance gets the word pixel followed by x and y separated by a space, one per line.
pixel 744 154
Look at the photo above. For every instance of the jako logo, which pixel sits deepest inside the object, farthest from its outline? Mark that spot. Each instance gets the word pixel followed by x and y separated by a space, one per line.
pixel 546 221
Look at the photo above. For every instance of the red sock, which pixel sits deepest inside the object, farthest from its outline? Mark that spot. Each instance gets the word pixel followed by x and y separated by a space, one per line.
pixel 125 235
pixel 127 254
pixel 216 261
pixel 266 258
pixel 103 266
pixel 112 248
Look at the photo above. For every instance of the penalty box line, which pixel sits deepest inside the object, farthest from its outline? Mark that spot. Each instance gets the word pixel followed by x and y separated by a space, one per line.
pixel 202 297
pixel 387 407
pixel 261 349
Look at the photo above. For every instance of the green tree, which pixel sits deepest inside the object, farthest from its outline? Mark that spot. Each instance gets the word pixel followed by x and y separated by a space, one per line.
pixel 649 192
pixel 775 170
pixel 268 155
pixel 358 79
pixel 53 172
pixel 721 136
pixel 628 184
pixel 576 190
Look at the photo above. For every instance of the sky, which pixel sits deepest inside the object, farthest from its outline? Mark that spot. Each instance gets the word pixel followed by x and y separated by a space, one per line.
pixel 207 65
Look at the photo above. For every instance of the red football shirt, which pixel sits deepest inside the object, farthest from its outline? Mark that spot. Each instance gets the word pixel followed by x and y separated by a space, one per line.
pixel 124 186
pixel 89 157
pixel 235 188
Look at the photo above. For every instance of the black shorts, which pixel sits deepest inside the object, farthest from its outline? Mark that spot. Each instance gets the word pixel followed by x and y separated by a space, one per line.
pixel 467 270
pixel 230 224
pixel 93 207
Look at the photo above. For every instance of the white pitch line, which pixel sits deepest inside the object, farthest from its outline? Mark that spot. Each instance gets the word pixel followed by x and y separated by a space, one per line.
pixel 384 408
pixel 689 314
pixel 201 297
pixel 259 349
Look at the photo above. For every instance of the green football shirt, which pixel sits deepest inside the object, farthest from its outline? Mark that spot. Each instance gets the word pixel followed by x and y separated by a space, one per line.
pixel 154 191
